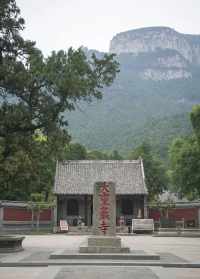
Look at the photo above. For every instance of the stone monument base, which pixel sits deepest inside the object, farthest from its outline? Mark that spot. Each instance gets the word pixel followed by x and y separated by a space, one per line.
pixel 11 243
pixel 104 244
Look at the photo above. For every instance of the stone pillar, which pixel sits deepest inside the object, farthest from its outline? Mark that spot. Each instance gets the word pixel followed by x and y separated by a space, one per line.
pixel 81 205
pixel 133 206
pixel 145 208
pixel 55 216
pixel 61 208
pixel 86 210
pixel 118 212
pixel 199 217
pixel 104 209
pixel 55 213
pixel 136 205
pixel 1 216
pixel 89 213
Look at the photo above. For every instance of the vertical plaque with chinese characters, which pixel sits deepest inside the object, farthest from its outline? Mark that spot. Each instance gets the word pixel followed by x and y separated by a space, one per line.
pixel 104 209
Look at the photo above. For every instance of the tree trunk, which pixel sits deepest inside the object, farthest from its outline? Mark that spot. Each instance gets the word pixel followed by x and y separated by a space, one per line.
pixel 38 221
pixel 32 218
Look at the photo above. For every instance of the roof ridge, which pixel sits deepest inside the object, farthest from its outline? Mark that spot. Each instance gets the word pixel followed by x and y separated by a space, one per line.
pixel 100 161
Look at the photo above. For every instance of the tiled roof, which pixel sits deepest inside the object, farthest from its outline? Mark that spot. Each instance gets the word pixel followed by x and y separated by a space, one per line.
pixel 78 177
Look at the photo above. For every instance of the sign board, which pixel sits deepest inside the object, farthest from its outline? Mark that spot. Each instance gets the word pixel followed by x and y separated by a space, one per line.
pixel 64 226
pixel 142 225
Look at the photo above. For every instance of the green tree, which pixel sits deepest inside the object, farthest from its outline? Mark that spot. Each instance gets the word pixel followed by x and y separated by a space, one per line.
pixel 12 44
pixel 75 151
pixel 97 155
pixel 37 204
pixel 44 88
pixel 34 93
pixel 30 165
pixel 184 156
pixel 115 155
pixel 195 120
pixel 155 173
pixel 100 155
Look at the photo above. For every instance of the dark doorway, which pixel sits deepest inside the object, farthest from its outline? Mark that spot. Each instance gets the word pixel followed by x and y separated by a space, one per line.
pixel 72 207
pixel 91 208
pixel 127 207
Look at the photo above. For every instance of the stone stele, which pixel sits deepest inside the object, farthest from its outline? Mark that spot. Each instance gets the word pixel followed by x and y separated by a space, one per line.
pixel 104 209
pixel 104 238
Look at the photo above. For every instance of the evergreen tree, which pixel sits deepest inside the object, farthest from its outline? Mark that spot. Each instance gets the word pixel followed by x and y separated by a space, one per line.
pixel 34 93
pixel 75 151
pixel 155 173
pixel 184 156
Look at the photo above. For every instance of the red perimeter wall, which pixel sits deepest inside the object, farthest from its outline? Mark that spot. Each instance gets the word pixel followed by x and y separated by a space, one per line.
pixel 23 214
pixel 176 213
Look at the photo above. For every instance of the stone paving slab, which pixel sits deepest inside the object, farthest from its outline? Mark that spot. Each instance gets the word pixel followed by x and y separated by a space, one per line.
pixel 37 256
pixel 43 256
pixel 50 272
pixel 182 253
pixel 176 273
pixel 16 257
pixel 102 273
pixel 71 272
pixel 171 258
pixel 20 273
pixel 2 256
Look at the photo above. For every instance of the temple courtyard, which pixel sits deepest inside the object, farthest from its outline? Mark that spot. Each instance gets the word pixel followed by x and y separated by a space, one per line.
pixel 179 258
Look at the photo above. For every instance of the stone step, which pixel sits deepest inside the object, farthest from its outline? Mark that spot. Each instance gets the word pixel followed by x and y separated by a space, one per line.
pixel 181 229
pixel 176 234
pixel 106 241
pixel 110 256
pixel 101 263
pixel 103 249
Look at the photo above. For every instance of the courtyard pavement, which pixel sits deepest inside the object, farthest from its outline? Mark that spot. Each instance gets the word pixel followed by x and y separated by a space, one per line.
pixel 37 249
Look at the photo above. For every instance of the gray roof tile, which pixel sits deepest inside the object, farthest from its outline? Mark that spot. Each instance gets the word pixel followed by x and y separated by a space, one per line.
pixel 78 177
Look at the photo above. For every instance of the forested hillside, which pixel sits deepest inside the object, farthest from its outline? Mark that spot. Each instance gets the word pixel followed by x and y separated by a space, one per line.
pixel 134 110
pixel 150 100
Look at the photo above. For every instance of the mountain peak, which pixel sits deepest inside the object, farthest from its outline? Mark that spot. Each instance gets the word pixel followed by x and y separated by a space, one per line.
pixel 149 39
pixel 148 29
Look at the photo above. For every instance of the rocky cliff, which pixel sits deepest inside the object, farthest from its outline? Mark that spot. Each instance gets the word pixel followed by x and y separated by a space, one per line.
pixel 185 51
pixel 151 97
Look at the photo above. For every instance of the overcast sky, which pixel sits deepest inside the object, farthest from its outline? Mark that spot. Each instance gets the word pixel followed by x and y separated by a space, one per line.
pixel 59 24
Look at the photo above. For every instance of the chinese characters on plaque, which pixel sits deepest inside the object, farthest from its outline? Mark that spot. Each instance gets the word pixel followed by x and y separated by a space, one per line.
pixel 104 207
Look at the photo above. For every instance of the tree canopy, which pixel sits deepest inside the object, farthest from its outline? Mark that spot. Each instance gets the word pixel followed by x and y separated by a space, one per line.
pixel 185 165
pixel 35 91
pixel 155 173
pixel 195 120
pixel 184 156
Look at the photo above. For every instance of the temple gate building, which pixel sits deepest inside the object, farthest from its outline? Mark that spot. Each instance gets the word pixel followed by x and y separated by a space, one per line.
pixel 74 184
